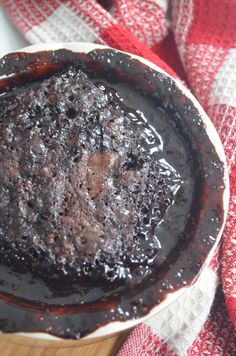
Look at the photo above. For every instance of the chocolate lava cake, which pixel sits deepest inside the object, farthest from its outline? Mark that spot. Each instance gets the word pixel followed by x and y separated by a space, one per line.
pixel 101 191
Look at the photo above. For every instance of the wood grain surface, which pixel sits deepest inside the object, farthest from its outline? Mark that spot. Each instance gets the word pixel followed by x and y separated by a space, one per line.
pixel 12 345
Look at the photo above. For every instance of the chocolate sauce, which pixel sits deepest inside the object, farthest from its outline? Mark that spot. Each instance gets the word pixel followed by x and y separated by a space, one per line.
pixel 150 171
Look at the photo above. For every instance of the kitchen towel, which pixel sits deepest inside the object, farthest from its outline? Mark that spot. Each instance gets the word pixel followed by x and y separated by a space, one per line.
pixel 196 41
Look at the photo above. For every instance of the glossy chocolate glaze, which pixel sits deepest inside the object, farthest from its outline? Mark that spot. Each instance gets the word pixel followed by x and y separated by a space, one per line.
pixel 71 305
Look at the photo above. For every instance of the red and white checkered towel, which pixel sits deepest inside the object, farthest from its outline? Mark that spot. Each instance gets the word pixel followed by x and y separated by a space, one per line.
pixel 197 38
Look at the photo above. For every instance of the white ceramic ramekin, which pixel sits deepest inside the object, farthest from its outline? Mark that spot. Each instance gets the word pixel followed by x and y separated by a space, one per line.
pixel 114 327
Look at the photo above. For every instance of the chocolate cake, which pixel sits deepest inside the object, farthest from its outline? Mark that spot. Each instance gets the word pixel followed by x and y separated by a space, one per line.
pixel 82 184
pixel 105 199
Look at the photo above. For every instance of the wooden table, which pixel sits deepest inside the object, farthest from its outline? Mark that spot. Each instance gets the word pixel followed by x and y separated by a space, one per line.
pixel 11 345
